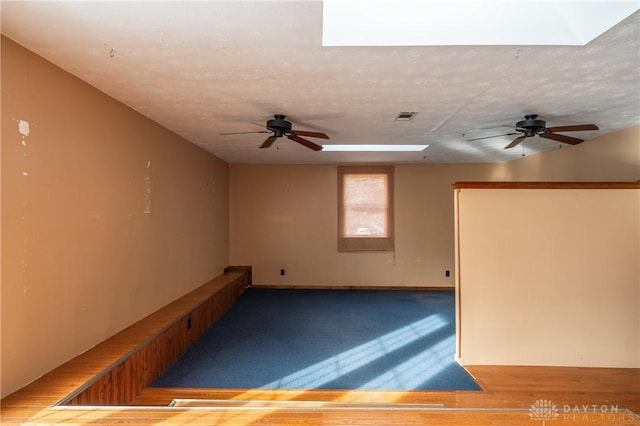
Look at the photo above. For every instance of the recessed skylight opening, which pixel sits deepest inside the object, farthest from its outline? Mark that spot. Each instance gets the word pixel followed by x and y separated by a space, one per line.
pixel 374 148
pixel 469 22
pixel 405 116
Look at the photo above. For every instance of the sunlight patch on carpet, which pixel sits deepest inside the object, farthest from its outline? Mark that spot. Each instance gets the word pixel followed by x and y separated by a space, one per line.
pixel 332 368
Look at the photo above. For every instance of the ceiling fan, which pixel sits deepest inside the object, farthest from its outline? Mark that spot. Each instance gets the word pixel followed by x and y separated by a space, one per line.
pixel 279 127
pixel 532 126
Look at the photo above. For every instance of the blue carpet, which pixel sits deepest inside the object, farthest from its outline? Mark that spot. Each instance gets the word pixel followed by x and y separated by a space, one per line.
pixel 327 339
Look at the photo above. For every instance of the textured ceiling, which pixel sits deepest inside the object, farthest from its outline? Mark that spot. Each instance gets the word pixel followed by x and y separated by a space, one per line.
pixel 205 68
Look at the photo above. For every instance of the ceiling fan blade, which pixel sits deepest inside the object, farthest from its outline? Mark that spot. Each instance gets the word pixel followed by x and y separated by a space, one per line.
pixel 494 136
pixel 310 134
pixel 244 133
pixel 515 142
pixel 575 128
pixel 269 141
pixel 304 142
pixel 562 138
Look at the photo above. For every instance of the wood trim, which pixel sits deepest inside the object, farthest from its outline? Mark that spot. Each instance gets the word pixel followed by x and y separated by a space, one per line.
pixel 546 185
pixel 248 269
pixel 365 169
pixel 351 287
pixel 458 278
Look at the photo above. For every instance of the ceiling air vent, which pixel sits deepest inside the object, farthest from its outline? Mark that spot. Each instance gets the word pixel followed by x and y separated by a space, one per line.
pixel 405 116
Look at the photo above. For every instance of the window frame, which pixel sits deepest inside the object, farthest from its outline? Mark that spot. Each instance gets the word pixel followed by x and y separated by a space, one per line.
pixel 365 243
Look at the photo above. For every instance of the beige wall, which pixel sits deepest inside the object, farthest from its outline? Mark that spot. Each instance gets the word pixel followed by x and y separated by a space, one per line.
pixel 284 217
pixel 106 216
pixel 549 277
pixel 597 321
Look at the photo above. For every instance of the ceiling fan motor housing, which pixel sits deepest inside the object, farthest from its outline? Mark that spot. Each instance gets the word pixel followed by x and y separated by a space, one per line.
pixel 532 126
pixel 279 125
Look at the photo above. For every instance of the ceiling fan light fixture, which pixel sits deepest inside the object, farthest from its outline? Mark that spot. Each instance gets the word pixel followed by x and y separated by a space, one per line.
pixel 280 127
pixel 533 126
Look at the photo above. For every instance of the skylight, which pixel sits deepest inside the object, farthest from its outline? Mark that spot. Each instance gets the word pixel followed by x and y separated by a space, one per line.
pixel 469 22
pixel 374 148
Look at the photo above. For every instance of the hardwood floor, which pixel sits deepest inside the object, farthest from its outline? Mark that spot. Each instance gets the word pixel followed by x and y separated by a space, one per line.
pixel 503 387
pixel 582 396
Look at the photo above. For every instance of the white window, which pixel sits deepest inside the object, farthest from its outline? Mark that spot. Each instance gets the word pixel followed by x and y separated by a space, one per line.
pixel 365 208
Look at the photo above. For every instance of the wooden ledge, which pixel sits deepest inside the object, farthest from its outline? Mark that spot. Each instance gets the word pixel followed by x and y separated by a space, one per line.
pixel 95 374
pixel 546 185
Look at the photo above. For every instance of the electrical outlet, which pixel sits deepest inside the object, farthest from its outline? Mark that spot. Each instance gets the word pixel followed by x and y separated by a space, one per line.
pixel 447 273
pixel 282 272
